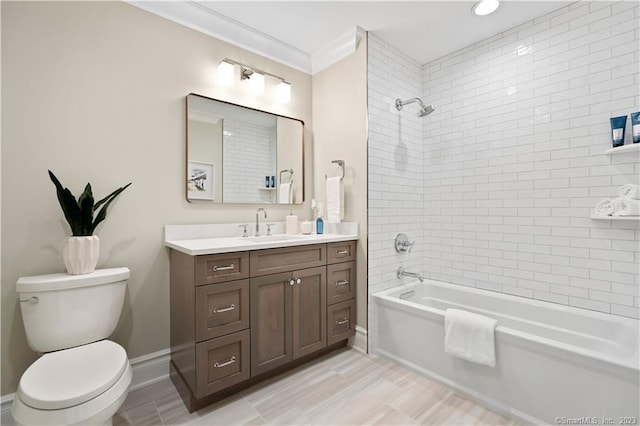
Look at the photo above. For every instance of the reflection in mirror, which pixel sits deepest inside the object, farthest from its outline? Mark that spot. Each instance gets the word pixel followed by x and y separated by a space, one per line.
pixel 241 155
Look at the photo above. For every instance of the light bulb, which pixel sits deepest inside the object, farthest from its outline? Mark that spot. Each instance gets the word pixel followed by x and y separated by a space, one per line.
pixel 226 71
pixel 256 83
pixel 283 92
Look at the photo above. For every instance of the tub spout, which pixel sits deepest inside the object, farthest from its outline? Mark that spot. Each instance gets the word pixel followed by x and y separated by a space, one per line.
pixel 402 273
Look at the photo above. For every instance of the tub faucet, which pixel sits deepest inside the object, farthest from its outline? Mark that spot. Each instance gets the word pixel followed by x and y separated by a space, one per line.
pixel 402 273
pixel 258 220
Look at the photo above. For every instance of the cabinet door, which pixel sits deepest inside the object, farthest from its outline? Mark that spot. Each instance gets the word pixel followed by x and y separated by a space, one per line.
pixel 270 322
pixel 309 311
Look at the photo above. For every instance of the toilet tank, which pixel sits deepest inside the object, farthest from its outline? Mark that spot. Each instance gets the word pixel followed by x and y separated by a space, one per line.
pixel 61 311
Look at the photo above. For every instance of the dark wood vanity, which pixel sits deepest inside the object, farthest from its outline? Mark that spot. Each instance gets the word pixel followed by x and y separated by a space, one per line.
pixel 240 318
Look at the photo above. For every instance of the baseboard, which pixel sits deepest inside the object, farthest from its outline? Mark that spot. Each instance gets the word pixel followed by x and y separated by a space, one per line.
pixel 147 369
pixel 150 368
pixel 359 341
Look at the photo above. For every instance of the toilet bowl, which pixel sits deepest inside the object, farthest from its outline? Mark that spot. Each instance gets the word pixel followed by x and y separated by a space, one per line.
pixel 82 378
pixel 83 385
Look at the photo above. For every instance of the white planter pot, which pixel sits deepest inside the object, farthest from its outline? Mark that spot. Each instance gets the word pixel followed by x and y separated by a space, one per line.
pixel 81 254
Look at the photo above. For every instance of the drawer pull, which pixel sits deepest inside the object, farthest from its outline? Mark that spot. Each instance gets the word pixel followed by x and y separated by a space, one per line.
pixel 224 364
pixel 342 321
pixel 221 310
pixel 345 251
pixel 217 268
pixel 343 282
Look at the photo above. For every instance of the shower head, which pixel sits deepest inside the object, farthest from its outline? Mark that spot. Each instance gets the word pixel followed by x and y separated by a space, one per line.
pixel 424 109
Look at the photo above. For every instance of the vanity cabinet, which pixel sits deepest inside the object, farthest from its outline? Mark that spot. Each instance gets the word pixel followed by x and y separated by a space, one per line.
pixel 239 318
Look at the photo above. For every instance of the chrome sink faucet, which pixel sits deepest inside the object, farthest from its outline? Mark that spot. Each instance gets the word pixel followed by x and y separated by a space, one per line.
pixel 258 219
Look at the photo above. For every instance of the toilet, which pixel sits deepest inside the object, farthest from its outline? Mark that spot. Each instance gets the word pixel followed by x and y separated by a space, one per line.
pixel 81 378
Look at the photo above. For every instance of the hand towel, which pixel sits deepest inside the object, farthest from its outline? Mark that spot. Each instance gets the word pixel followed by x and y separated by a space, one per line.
pixel 627 207
pixel 284 193
pixel 606 207
pixel 470 336
pixel 630 190
pixel 335 200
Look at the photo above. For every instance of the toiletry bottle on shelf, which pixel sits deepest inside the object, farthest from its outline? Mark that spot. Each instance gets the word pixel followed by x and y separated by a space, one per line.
pixel 319 221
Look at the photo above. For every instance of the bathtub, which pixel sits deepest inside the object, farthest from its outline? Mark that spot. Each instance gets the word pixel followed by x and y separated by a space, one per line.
pixel 555 364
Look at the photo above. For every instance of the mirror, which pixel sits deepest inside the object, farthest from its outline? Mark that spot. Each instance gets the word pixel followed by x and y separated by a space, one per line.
pixel 237 154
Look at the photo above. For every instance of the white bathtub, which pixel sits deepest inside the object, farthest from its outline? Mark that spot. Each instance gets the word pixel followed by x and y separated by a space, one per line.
pixel 555 364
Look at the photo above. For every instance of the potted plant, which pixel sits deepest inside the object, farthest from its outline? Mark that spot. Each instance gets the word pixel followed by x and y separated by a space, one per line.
pixel 81 253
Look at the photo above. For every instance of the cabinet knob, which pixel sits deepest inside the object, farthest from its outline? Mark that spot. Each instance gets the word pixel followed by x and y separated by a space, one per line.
pixel 298 281
pixel 291 282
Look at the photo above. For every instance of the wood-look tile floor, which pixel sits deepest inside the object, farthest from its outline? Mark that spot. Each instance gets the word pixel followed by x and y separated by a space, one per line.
pixel 345 387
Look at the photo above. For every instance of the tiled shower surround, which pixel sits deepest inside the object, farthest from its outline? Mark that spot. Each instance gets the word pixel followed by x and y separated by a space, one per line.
pixel 511 163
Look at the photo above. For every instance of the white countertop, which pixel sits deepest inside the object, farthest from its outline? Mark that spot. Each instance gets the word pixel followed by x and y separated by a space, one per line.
pixel 196 240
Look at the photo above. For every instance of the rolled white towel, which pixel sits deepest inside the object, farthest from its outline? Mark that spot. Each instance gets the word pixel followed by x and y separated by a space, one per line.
pixel 630 190
pixel 606 207
pixel 627 207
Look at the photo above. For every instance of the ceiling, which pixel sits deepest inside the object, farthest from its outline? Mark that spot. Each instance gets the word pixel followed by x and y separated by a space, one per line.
pixel 423 30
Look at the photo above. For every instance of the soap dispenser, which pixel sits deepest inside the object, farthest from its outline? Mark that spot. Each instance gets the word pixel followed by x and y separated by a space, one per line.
pixel 291 224
pixel 319 221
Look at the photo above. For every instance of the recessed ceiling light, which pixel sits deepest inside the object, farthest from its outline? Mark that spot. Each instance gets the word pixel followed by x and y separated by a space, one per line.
pixel 485 7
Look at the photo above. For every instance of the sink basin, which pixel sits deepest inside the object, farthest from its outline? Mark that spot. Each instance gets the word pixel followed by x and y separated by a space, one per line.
pixel 270 238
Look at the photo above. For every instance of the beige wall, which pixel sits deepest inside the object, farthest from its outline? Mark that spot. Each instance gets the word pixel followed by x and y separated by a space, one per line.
pixel 289 152
pixel 340 133
pixel 95 91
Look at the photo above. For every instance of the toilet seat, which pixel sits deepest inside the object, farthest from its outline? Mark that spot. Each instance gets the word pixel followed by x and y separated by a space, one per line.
pixel 111 388
pixel 72 376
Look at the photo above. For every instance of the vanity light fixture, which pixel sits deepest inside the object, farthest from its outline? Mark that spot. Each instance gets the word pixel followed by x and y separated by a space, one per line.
pixel 254 79
pixel 485 7
pixel 283 92
pixel 226 73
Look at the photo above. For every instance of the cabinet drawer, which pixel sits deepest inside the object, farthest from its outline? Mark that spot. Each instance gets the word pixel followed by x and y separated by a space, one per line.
pixel 217 268
pixel 341 319
pixel 343 251
pixel 221 309
pixel 341 282
pixel 273 261
pixel 221 362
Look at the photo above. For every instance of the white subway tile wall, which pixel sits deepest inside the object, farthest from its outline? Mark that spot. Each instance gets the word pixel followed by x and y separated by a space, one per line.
pixel 395 166
pixel 249 154
pixel 513 160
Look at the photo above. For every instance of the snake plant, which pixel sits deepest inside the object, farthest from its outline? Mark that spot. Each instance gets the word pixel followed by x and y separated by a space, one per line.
pixel 80 213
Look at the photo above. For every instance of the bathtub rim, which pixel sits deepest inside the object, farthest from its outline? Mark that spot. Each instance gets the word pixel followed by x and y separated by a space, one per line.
pixel 386 298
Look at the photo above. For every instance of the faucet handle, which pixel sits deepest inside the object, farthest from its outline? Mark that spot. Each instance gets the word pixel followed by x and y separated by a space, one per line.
pixel 244 230
pixel 269 225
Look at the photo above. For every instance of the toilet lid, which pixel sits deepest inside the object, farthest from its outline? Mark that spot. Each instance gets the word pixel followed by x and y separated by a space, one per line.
pixel 72 376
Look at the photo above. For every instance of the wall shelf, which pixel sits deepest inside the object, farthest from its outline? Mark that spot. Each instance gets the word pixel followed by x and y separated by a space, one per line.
pixel 267 189
pixel 598 216
pixel 624 149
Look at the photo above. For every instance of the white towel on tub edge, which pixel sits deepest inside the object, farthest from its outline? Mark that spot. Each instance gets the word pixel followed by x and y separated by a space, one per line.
pixel 470 336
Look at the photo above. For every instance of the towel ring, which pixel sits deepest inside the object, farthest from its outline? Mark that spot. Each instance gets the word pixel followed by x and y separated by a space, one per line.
pixel 290 171
pixel 342 166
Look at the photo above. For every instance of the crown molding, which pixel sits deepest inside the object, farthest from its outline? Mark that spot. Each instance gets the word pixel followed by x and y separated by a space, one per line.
pixel 198 17
pixel 340 48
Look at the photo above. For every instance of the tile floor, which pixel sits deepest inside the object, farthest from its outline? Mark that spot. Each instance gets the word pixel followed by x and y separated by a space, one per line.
pixel 343 388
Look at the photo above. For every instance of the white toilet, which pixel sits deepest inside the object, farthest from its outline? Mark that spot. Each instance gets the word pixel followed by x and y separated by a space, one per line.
pixel 81 378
